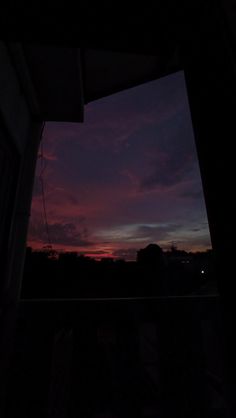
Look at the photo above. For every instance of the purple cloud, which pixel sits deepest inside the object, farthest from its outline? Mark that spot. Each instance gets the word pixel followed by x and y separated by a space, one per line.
pixel 63 234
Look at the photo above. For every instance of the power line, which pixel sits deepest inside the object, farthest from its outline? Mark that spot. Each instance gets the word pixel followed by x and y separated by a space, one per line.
pixel 41 178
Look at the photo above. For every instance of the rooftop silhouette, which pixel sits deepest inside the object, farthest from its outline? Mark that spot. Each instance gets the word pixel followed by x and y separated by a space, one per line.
pixel 155 273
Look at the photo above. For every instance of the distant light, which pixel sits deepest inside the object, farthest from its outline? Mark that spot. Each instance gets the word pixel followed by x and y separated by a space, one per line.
pixel 202 271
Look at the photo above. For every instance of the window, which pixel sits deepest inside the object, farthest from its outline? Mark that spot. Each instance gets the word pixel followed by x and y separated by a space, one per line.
pixel 106 189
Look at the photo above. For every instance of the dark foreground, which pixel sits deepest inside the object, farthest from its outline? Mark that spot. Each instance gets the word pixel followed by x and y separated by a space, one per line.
pixel 144 357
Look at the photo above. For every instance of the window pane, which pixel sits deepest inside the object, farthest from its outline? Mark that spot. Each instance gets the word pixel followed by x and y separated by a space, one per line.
pixel 106 189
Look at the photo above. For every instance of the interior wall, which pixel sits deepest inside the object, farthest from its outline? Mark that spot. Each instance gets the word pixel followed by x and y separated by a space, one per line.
pixel 209 65
pixel 19 140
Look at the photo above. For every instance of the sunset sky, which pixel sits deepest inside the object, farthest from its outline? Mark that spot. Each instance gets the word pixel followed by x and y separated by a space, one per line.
pixel 126 177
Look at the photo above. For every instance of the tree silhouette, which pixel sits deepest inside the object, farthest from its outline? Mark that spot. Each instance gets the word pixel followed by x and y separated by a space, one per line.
pixel 152 255
pixel 152 262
